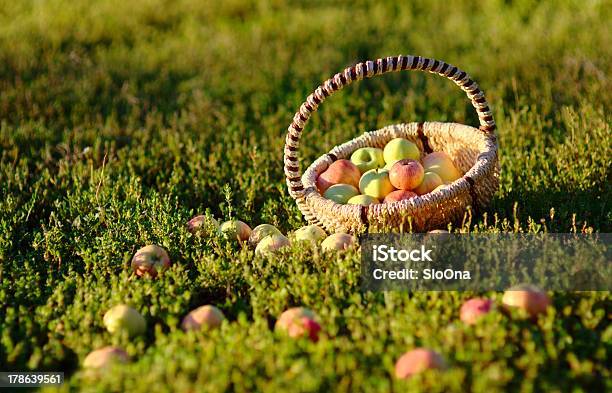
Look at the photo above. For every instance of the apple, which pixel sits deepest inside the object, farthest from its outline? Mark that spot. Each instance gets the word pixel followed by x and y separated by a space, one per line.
pixel 430 182
pixel 474 309
pixel 367 158
pixel 337 241
pixel 399 149
pixel 528 298
pixel 205 317
pixel 375 183
pixel 150 261
pixel 270 244
pixel 198 222
pixel 339 172
pixel 309 233
pixel 416 361
pixel 299 322
pixel 389 165
pixel 406 174
pixel 362 200
pixel 399 195
pixel 123 318
pixel 260 232
pixel 438 231
pixel 235 229
pixel 341 193
pixel 104 357
pixel 440 163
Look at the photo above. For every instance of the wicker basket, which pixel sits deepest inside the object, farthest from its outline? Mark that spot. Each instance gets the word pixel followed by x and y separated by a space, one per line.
pixel 473 150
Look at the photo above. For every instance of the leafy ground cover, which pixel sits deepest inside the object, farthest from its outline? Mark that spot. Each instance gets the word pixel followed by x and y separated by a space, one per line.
pixel 120 120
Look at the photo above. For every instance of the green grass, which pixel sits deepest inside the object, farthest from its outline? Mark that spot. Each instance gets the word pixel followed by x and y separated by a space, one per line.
pixel 120 120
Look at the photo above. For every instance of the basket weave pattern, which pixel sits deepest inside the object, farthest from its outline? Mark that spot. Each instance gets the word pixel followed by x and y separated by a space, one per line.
pixel 473 150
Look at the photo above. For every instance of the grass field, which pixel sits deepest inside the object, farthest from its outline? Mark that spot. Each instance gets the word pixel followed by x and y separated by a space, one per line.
pixel 120 120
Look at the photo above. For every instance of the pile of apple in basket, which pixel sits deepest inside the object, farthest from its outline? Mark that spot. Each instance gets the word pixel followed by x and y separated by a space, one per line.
pixel 392 174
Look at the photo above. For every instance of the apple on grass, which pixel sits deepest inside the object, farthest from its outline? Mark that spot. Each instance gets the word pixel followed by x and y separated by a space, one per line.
pixel 430 182
pixel 150 261
pixel 376 183
pixel 399 195
pixel 123 318
pixel 299 322
pixel 341 193
pixel 417 361
pixel 104 357
pixel 362 200
pixel 205 317
pixel 235 229
pixel 269 244
pixel 474 309
pixel 441 163
pixel 399 149
pixel 406 174
pixel 528 298
pixel 367 158
pixel 338 242
pixel 309 233
pixel 198 222
pixel 339 172
pixel 260 232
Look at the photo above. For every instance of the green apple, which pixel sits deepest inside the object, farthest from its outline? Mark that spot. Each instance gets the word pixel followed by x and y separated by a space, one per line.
pixel 270 244
pixel 309 233
pixel 367 158
pixel 362 200
pixel 430 182
pixel 235 229
pixel 375 183
pixel 123 318
pixel 443 165
pixel 104 357
pixel 400 148
pixel 260 232
pixel 205 317
pixel 341 193
pixel 338 242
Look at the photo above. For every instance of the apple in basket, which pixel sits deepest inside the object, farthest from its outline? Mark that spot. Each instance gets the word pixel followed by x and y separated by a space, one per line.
pixel 399 149
pixel 440 163
pixel 375 183
pixel 362 200
pixel 341 171
pixel 341 193
pixel 367 158
pixel 399 195
pixel 406 174
pixel 430 182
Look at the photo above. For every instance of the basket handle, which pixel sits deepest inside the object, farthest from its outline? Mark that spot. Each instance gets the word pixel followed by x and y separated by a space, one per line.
pixel 368 69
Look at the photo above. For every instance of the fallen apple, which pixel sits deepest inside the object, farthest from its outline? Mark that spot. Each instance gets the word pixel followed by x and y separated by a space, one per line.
pixel 270 244
pixel 309 233
pixel 199 222
pixel 337 241
pixel 341 193
pixel 150 261
pixel 123 318
pixel 528 298
pixel 366 158
pixel 339 172
pixel 399 195
pixel 399 149
pixel 430 182
pixel 440 163
pixel 474 309
pixel 299 322
pixel 406 174
pixel 104 357
pixel 260 232
pixel 205 317
pixel 376 183
pixel 362 200
pixel 235 229
pixel 417 361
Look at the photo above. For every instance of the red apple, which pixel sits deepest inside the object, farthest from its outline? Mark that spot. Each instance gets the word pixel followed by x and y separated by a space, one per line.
pixel 150 261
pixel 399 195
pixel 104 357
pixel 339 172
pixel 417 361
pixel 199 222
pixel 205 317
pixel 299 322
pixel 474 309
pixel 406 174
pixel 529 298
